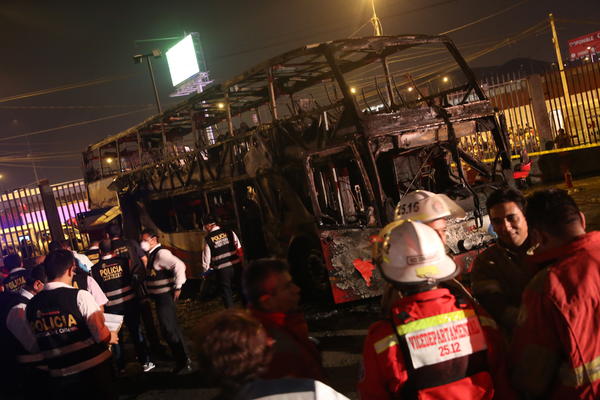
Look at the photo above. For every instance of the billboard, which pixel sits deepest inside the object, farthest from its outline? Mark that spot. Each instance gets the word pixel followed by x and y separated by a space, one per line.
pixel 182 59
pixel 584 45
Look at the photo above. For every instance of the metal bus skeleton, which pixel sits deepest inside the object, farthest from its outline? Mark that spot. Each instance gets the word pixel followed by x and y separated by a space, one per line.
pixel 298 161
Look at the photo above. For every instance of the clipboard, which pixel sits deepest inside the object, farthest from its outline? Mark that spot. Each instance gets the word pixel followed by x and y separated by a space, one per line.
pixel 113 321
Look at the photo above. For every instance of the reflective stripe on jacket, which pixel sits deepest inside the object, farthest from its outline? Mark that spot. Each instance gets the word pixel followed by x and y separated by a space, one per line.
pixel 438 350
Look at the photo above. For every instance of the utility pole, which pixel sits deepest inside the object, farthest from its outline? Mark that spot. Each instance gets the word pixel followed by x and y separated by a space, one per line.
pixel 561 65
pixel 377 29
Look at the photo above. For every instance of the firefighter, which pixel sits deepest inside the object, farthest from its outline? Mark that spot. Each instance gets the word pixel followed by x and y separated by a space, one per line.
pixel 430 208
pixel 556 347
pixel 16 273
pixel 433 210
pixel 70 332
pixel 432 344
pixel 223 254
pixel 113 275
pixel 17 365
pixel 164 278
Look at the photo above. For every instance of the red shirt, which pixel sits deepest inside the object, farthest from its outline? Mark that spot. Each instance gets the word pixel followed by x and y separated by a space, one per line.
pixel 294 355
pixel 556 346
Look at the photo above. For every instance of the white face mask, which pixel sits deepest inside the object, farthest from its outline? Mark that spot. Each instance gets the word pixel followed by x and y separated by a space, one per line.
pixel 145 245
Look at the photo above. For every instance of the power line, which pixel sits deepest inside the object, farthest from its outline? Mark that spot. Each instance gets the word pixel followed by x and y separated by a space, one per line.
pixel 65 87
pixel 485 18
pixel 80 107
pixel 73 125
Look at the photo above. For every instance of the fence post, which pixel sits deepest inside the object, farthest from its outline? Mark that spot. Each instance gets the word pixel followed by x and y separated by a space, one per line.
pixel 538 105
pixel 52 217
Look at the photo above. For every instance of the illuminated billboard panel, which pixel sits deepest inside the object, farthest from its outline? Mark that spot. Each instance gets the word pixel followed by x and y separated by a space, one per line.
pixel 182 60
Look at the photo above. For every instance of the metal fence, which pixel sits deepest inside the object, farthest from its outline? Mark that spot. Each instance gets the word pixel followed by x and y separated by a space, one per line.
pixel 566 120
pixel 25 228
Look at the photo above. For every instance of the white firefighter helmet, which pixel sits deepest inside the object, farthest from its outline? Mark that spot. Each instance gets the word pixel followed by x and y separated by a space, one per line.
pixel 412 253
pixel 424 206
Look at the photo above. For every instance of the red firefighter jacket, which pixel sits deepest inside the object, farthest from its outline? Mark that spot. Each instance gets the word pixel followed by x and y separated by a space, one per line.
pixel 556 345
pixel 442 349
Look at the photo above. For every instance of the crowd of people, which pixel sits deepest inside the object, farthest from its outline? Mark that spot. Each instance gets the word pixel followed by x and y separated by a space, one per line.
pixel 525 328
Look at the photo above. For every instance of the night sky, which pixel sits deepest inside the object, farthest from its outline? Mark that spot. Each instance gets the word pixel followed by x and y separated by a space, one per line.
pixel 50 44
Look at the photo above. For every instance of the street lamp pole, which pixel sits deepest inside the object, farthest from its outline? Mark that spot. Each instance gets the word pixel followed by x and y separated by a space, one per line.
pixel 138 59
pixel 377 29
pixel 156 98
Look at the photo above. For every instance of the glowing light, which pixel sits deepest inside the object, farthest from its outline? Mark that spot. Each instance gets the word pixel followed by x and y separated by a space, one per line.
pixel 353 90
pixel 445 79
pixel 410 88
pixel 109 160
pixel 221 106
pixel 183 60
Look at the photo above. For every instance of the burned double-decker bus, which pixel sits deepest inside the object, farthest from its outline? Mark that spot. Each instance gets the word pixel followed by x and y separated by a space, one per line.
pixel 306 155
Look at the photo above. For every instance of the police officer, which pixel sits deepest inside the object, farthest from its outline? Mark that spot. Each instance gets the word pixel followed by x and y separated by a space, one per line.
pixel 113 276
pixel 431 344
pixel 16 273
pixel 137 259
pixel 70 332
pixel 93 252
pixel 223 253
pixel 165 276
pixel 17 365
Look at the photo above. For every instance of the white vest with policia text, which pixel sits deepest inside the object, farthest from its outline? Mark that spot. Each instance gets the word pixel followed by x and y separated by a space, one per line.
pixel 222 249
pixel 14 281
pixel 158 281
pixel 62 333
pixel 114 279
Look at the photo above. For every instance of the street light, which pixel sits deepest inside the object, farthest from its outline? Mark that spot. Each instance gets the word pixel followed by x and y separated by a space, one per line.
pixel 138 59
pixel 377 29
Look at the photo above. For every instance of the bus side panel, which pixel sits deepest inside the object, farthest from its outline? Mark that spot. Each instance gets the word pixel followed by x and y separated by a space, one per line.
pixel 347 257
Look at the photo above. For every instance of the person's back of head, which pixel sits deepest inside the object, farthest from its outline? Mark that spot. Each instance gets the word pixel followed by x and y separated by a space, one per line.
pixel 209 219
pixel 59 244
pixel 12 261
pixel 256 279
pixel 58 263
pixel 411 257
pixel 114 231
pixel 35 278
pixel 554 218
pixel 233 348
pixel 105 246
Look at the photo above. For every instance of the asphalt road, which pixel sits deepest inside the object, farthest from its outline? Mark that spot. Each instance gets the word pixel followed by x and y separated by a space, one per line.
pixel 341 331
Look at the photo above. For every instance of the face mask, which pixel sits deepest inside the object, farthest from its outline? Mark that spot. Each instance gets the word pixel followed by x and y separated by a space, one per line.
pixel 145 245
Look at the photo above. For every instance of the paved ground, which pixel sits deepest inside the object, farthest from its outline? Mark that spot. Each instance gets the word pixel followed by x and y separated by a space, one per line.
pixel 341 331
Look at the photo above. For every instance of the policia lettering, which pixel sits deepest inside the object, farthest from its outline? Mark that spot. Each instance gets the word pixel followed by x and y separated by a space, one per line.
pixel 111 271
pixel 223 252
pixel 15 284
pixel 54 322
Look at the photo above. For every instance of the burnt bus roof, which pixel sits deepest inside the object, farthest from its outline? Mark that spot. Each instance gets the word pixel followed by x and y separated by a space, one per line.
pixel 294 71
